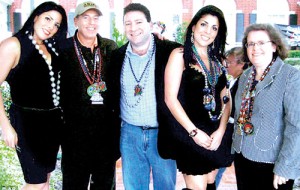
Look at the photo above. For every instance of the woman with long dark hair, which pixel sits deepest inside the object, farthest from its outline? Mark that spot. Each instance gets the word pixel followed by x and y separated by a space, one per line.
pixel 29 63
pixel 197 94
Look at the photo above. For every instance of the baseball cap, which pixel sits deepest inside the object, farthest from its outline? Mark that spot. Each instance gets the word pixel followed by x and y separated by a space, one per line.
pixel 87 5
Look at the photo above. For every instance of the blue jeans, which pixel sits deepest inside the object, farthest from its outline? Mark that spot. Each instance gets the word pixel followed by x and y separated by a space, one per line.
pixel 140 156
pixel 219 176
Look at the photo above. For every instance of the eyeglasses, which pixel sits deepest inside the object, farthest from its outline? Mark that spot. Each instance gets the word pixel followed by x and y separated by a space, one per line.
pixel 252 44
pixel 227 62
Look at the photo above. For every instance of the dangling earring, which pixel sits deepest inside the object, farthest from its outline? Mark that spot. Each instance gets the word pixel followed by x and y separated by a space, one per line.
pixel 213 45
pixel 192 37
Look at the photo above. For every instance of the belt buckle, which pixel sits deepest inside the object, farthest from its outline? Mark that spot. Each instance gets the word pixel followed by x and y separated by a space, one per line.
pixel 146 127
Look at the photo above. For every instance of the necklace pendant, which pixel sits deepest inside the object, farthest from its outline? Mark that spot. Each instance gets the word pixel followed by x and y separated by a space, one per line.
pixel 102 86
pixel 209 102
pixel 214 118
pixel 92 89
pixel 206 91
pixel 138 90
pixel 96 88
pixel 248 128
pixel 97 98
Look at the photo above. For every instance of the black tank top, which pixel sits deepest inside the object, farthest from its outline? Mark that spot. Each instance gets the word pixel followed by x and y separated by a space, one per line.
pixel 30 80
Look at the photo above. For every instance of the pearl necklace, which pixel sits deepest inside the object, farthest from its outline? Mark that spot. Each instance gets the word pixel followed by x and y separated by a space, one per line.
pixel 55 87
pixel 209 95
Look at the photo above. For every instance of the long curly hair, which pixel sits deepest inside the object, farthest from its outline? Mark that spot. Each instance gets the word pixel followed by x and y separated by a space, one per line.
pixel 220 41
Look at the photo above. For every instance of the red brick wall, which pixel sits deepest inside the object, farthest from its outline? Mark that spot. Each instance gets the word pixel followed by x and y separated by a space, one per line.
pixel 188 5
pixel 68 5
pixel 294 7
pixel 15 5
pixel 246 6
pixel 127 2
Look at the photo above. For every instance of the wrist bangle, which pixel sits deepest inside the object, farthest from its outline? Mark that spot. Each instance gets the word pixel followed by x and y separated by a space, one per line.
pixel 193 133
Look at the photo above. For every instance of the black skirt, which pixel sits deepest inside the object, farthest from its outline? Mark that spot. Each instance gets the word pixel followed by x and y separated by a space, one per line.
pixel 39 137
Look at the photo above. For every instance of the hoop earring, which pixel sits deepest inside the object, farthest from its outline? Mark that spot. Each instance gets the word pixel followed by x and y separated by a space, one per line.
pixel 192 37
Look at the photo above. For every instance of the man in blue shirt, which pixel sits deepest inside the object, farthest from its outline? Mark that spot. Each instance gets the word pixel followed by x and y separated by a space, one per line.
pixel 135 88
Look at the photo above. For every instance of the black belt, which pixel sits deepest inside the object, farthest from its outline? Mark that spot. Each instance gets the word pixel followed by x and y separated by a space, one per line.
pixel 34 109
pixel 147 127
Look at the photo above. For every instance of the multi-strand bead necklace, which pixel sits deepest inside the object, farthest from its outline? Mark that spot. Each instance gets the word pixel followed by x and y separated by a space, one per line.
pixel 138 88
pixel 244 118
pixel 211 80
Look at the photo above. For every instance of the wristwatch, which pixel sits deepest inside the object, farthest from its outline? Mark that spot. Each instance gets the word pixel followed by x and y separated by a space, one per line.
pixel 193 133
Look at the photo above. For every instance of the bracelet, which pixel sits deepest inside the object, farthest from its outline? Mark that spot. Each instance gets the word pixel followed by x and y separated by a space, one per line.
pixel 193 133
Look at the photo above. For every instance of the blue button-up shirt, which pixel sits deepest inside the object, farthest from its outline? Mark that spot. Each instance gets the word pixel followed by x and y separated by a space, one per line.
pixel 139 110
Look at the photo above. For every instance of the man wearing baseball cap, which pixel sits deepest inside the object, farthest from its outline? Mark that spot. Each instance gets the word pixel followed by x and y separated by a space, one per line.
pixel 90 147
pixel 85 6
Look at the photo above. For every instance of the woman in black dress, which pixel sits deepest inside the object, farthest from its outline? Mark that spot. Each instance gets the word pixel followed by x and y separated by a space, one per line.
pixel 29 63
pixel 197 94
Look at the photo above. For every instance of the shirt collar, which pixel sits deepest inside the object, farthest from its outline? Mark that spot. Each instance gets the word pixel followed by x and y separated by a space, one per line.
pixel 129 51
pixel 95 43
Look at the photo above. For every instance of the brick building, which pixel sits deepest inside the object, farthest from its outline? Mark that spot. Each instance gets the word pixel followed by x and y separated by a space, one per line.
pixel 238 13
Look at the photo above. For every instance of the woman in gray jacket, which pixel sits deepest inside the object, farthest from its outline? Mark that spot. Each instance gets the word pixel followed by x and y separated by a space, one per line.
pixel 267 130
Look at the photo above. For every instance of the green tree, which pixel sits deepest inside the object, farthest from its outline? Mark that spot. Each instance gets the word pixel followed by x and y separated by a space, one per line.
pixel 119 38
pixel 180 32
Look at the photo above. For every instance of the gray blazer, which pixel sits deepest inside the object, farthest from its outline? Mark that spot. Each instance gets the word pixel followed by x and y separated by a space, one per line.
pixel 276 120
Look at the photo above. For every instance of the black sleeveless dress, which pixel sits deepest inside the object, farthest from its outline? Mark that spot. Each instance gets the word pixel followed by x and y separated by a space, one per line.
pixel 32 114
pixel 191 158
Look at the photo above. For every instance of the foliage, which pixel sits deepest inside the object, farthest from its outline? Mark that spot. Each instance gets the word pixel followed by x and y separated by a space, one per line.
pixel 180 32
pixel 292 61
pixel 119 38
pixel 5 90
pixel 11 175
pixel 10 170
pixel 294 54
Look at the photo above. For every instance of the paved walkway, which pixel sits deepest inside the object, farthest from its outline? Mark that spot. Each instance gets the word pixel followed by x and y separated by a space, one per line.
pixel 228 181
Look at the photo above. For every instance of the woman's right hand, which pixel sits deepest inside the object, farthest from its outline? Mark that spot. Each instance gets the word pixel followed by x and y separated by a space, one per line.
pixel 202 139
pixel 9 136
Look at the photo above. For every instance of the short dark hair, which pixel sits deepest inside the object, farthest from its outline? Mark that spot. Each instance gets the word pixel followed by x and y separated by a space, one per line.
pixel 220 40
pixel 45 7
pixel 138 7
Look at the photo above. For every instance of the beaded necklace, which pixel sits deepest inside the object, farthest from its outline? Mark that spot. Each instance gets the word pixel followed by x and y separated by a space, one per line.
pixel 138 89
pixel 55 87
pixel 244 118
pixel 97 85
pixel 209 88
